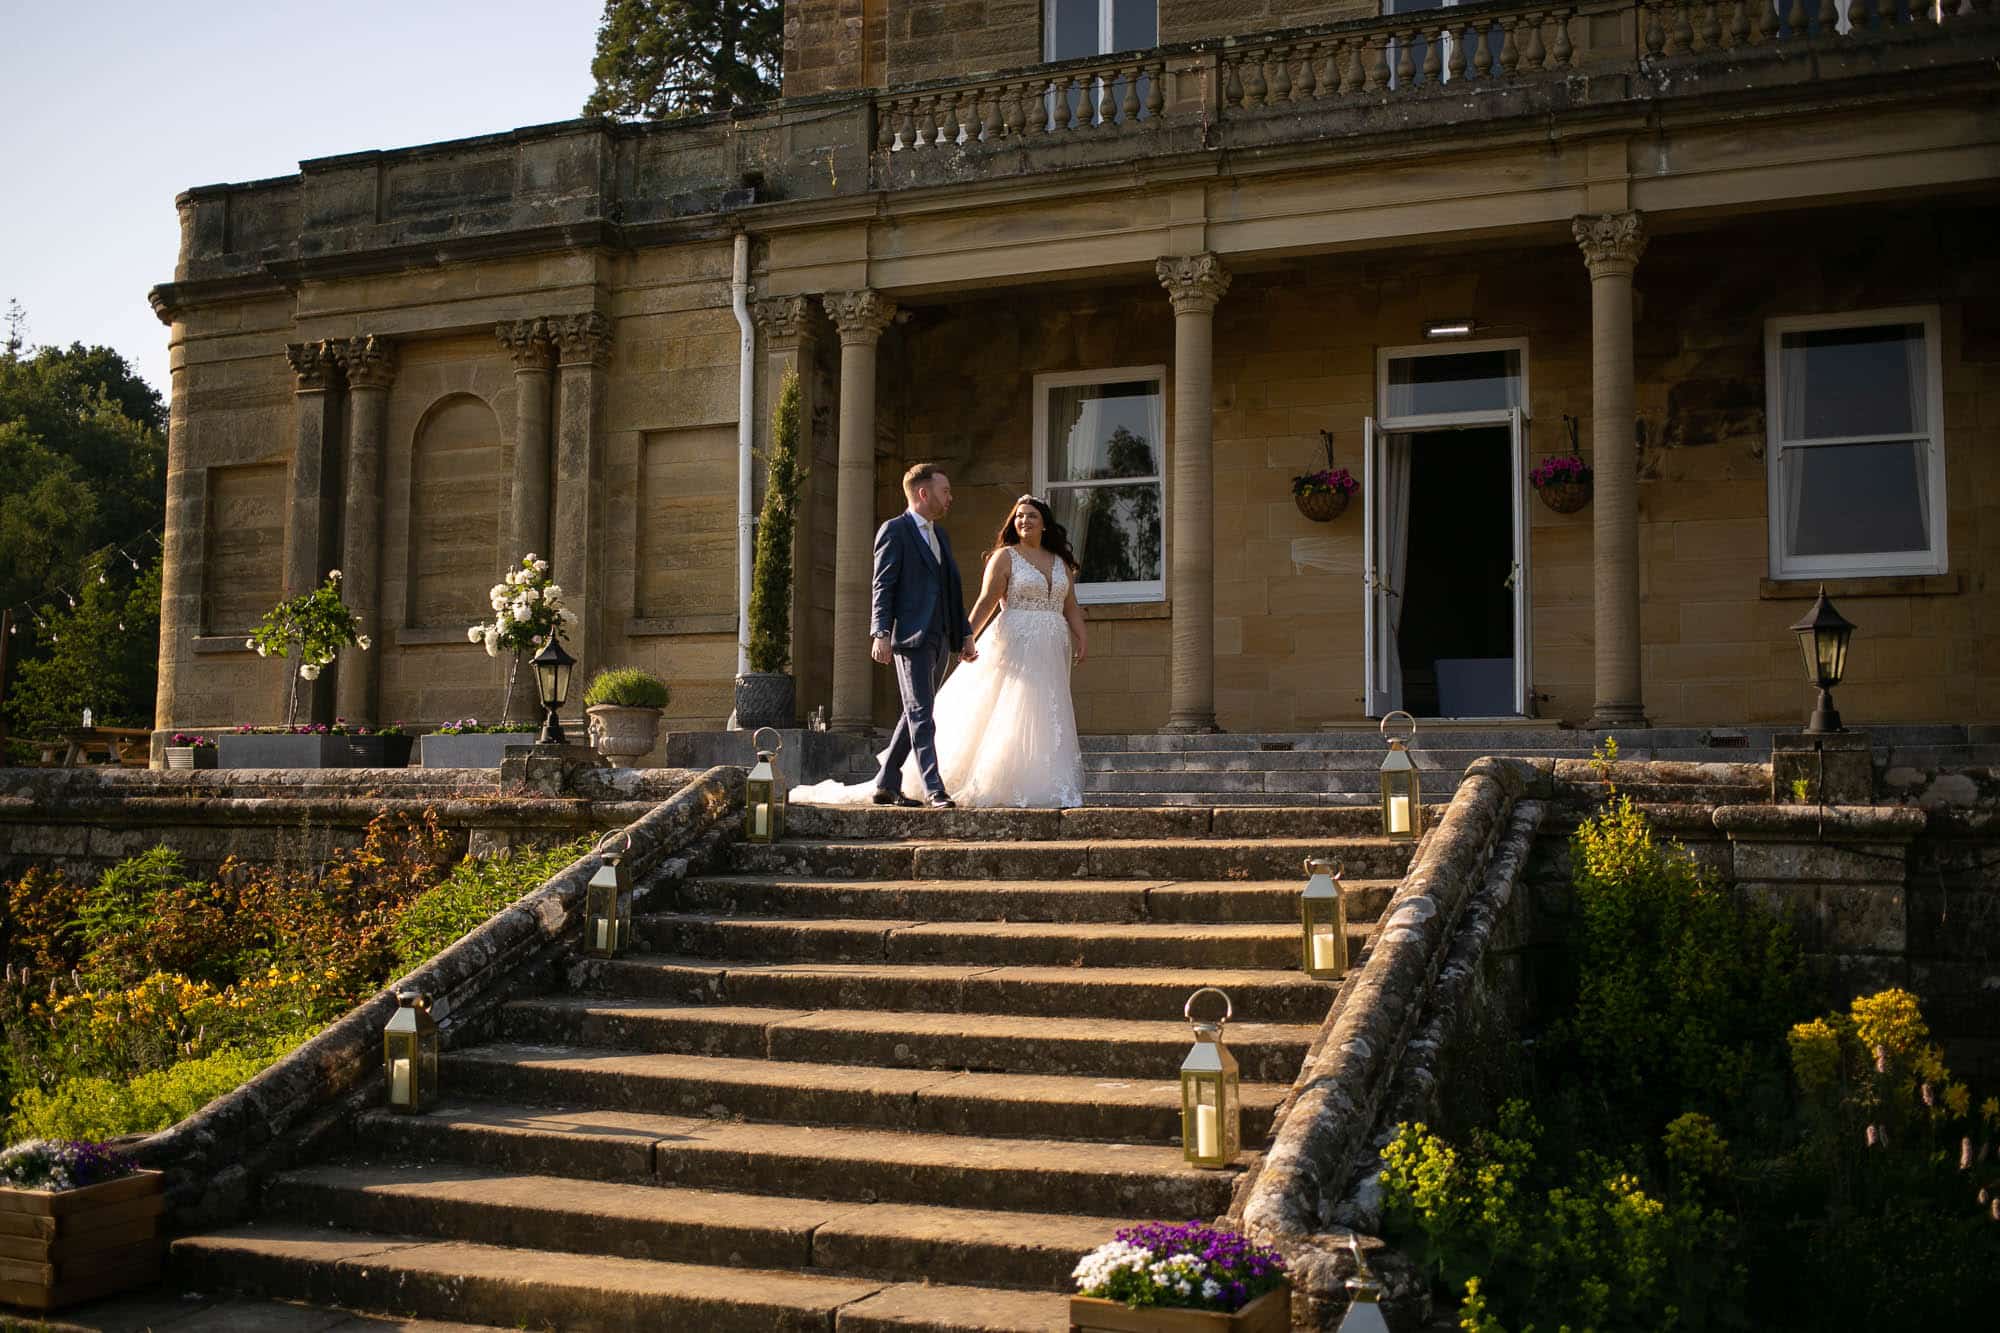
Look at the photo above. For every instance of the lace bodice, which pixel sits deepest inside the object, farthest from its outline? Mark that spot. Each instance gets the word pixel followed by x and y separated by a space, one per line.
pixel 1028 591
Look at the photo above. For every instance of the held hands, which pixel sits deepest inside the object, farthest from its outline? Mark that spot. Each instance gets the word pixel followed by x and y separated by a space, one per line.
pixel 968 653
pixel 878 649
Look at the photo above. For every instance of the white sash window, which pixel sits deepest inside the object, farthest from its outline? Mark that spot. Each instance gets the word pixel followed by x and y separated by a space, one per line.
pixel 1099 462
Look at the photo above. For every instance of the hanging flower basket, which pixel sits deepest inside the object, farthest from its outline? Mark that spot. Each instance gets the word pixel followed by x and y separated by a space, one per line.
pixel 1321 506
pixel 1563 483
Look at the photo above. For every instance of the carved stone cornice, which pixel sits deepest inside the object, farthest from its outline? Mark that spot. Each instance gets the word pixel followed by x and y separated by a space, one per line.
pixel 582 339
pixel 315 367
pixel 527 341
pixel 784 319
pixel 860 315
pixel 1611 242
pixel 1194 283
pixel 369 362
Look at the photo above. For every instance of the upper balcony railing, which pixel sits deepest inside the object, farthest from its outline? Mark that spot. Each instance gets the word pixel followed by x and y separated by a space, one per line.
pixel 1373 61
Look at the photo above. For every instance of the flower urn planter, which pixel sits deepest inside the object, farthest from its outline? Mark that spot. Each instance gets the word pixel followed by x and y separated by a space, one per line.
pixel 475 749
pixel 64 1246
pixel 191 756
pixel 1322 506
pixel 1565 497
pixel 1269 1313
pixel 764 699
pixel 623 734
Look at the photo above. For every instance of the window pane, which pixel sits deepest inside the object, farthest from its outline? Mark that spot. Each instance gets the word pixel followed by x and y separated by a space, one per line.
pixel 1135 24
pixel 1845 382
pixel 1422 386
pixel 1069 28
pixel 1104 430
pixel 1114 530
pixel 1856 499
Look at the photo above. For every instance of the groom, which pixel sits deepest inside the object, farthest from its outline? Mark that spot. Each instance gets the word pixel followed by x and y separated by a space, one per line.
pixel 918 619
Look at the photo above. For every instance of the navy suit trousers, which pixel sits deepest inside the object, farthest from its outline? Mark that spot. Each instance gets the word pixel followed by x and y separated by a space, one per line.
pixel 919 671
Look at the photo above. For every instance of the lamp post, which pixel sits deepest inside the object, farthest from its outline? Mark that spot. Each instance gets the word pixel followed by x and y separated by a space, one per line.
pixel 1823 637
pixel 1211 1114
pixel 1323 913
pixel 553 668
pixel 1402 793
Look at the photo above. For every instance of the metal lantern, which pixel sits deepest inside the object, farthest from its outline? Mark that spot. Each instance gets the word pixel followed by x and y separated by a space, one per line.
pixel 1364 1308
pixel 410 1055
pixel 1323 914
pixel 764 792
pixel 553 667
pixel 1823 636
pixel 607 905
pixel 1402 793
pixel 1211 1113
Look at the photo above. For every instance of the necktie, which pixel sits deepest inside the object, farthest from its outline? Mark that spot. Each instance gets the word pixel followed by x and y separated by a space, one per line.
pixel 930 537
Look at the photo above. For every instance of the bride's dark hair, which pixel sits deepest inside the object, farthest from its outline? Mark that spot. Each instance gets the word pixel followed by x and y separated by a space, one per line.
pixel 1054 539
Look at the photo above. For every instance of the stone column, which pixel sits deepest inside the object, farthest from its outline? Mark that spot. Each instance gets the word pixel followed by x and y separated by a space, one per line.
pixel 527 341
pixel 1612 244
pixel 1194 283
pixel 860 316
pixel 309 499
pixel 369 363
pixel 789 329
pixel 180 561
pixel 583 350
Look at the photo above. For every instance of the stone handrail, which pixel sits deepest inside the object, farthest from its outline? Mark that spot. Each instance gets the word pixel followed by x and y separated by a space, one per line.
pixel 217 1159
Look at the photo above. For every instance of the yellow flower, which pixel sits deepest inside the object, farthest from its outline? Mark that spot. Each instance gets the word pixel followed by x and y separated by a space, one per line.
pixel 1815 1055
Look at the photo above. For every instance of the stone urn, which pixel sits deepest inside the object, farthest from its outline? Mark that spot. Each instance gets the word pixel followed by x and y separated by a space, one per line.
pixel 622 734
pixel 764 699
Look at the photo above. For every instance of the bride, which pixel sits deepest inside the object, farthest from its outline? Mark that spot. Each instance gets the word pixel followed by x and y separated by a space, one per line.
pixel 1006 728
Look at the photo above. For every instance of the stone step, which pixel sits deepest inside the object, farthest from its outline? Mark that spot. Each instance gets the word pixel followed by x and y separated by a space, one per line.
pixel 857 823
pixel 855 1165
pixel 1182 859
pixel 906 1242
pixel 460 1280
pixel 1110 1048
pixel 1338 803
pixel 1251 944
pixel 1209 901
pixel 925 1101
pixel 1087 992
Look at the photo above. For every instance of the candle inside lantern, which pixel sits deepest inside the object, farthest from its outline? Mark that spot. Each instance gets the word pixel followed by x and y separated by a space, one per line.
pixel 1206 1141
pixel 763 824
pixel 603 934
pixel 1399 814
pixel 1322 949
pixel 399 1081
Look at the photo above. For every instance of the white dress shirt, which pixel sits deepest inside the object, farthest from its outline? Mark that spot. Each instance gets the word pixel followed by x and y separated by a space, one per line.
pixel 930 534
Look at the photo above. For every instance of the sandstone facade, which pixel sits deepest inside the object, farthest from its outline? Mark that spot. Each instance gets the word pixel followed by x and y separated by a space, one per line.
pixel 422 363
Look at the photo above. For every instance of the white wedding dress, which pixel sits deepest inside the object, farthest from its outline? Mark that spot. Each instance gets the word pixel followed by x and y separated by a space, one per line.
pixel 1006 727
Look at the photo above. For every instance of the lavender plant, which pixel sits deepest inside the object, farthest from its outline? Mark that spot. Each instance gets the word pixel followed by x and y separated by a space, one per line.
pixel 1192 1266
pixel 49 1164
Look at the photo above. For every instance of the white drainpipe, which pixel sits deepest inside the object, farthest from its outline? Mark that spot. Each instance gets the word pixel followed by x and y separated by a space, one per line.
pixel 746 407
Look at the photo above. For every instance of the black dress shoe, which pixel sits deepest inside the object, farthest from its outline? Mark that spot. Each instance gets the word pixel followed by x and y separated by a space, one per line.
pixel 892 798
pixel 941 803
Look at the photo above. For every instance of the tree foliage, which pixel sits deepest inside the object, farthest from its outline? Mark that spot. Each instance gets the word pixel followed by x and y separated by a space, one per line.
pixel 659 59
pixel 771 578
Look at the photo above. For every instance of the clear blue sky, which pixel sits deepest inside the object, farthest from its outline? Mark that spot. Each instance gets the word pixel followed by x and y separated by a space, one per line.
pixel 115 106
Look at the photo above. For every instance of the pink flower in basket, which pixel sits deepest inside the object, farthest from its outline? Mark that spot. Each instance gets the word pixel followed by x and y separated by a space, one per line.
pixel 1566 470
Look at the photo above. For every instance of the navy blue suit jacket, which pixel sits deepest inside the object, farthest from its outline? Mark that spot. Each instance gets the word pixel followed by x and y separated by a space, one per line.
pixel 914 593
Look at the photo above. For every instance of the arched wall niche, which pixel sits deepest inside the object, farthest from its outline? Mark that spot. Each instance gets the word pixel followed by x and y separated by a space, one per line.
pixel 455 501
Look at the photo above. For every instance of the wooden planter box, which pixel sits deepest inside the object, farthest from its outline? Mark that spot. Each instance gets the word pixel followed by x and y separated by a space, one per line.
pixel 478 749
pixel 77 1245
pixel 1269 1313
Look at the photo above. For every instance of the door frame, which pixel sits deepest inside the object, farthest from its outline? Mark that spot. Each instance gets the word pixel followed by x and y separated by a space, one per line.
pixel 1375 693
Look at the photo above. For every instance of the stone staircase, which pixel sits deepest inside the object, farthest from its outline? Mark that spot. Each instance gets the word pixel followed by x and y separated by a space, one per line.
pixel 897 1073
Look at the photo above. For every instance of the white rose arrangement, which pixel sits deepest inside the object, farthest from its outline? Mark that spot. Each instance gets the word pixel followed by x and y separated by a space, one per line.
pixel 315 626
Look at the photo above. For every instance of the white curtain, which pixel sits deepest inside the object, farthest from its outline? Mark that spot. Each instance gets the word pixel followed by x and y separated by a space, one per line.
pixel 1915 367
pixel 1394 561
pixel 1792 363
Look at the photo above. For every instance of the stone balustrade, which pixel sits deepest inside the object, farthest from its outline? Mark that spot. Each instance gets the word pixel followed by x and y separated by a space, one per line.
pixel 1103 96
pixel 1681 27
pixel 1399 55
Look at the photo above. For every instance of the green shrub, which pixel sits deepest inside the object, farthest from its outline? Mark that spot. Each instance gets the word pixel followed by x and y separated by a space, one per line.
pixel 121 901
pixel 771 577
pixel 101 1108
pixel 626 687
pixel 471 894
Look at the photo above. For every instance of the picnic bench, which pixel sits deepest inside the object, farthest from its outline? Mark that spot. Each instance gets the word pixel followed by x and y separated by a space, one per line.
pixel 131 747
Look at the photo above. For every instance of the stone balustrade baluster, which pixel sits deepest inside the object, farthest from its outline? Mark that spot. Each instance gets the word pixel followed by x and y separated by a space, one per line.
pixel 1377 57
pixel 1656 32
pixel 1128 108
pixel 1795 19
pixel 1767 20
pixel 1711 26
pixel 1482 52
pixel 1510 54
pixel 1352 77
pixel 1035 107
pixel 1454 65
pixel 1433 56
pixel 1254 85
pixel 1535 54
pixel 1920 10
pixel 1307 88
pixel 947 125
pixel 1156 91
pixel 1406 65
pixel 920 123
pixel 1009 106
pixel 1107 101
pixel 1232 82
pixel 1562 52
pixel 885 126
pixel 1060 117
pixel 1828 17
pixel 1281 76
pixel 1683 30
pixel 1739 25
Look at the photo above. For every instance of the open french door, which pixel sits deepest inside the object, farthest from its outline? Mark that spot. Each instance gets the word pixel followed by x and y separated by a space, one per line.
pixel 1524 603
pixel 1382 679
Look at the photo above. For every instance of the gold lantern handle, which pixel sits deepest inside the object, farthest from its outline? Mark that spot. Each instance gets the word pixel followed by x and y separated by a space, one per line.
pixel 1228 1009
pixel 1339 867
pixel 1394 740
pixel 603 847
pixel 757 740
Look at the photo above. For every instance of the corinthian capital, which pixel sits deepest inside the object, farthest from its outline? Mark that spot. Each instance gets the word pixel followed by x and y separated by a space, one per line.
pixel 860 316
pixel 582 338
pixel 368 362
pixel 1610 241
pixel 314 365
pixel 1194 283
pixel 527 341
pixel 785 318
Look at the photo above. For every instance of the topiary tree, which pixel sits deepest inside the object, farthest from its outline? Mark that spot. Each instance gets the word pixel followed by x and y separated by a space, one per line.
pixel 771 576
